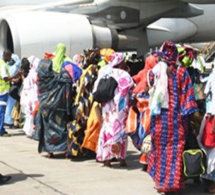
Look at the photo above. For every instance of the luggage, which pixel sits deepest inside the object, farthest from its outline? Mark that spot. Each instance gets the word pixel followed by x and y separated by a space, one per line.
pixel 194 161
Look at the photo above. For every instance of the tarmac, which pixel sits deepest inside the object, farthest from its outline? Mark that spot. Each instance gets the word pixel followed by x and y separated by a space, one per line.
pixel 34 174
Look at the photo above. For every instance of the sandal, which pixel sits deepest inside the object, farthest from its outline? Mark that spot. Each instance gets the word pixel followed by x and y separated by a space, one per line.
pixel 107 163
pixel 211 189
pixel 123 163
pixel 50 155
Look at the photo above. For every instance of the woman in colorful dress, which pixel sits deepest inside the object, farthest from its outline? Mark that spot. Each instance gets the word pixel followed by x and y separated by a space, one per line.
pixel 168 129
pixel 29 95
pixel 112 141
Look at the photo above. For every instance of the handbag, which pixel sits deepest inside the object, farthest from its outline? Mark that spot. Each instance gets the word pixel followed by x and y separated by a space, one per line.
pixel 105 90
pixel 194 159
pixel 208 137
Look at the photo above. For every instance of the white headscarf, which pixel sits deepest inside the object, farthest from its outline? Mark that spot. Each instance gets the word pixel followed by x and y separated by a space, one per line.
pixel 210 87
pixel 34 62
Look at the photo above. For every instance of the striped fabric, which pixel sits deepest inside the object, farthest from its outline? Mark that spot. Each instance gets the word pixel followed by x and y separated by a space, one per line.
pixel 168 133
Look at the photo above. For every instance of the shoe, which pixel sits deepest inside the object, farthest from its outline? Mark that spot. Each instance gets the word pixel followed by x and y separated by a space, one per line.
pixel 8 125
pixel 5 134
pixel 211 189
pixel 4 179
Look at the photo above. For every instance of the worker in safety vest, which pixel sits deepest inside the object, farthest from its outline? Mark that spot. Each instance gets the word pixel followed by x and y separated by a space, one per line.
pixel 4 89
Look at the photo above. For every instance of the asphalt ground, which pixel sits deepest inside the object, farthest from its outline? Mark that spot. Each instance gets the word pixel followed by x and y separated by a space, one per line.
pixel 34 174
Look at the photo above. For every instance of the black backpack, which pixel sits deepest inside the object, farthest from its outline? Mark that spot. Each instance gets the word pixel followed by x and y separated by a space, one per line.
pixel 105 90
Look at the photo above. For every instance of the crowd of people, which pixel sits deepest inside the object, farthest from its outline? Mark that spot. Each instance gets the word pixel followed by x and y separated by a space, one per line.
pixel 87 107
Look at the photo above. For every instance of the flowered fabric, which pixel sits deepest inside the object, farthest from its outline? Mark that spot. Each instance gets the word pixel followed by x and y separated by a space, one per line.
pixel 159 97
pixel 168 132
pixel 29 95
pixel 114 114
pixel 116 59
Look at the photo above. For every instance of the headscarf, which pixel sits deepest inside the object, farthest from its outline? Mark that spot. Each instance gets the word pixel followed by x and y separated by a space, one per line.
pixel 34 62
pixel 141 77
pixel 210 88
pixel 78 59
pixel 116 59
pixel 186 56
pixel 74 71
pixel 170 52
pixel 92 56
pixel 107 52
pixel 13 69
pixel 60 56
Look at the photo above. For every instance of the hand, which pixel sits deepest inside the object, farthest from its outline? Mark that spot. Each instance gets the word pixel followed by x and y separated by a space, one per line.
pixel 116 148
pixel 168 72
pixel 20 72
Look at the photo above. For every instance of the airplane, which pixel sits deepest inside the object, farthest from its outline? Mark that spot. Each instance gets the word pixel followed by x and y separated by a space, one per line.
pixel 124 25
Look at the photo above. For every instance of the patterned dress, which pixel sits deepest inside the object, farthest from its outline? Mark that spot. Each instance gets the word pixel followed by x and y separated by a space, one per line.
pixel 168 131
pixel 114 114
pixel 82 107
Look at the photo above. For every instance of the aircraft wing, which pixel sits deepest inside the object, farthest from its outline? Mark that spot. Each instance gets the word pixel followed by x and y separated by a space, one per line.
pixel 7 8
pixel 120 24
pixel 199 1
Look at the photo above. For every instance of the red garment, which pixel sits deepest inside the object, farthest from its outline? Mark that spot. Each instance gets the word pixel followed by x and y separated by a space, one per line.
pixel 49 56
pixel 168 132
pixel 208 137
pixel 141 77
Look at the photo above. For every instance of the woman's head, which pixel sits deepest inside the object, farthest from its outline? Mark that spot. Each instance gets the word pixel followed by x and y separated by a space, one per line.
pixel 34 62
pixel 169 52
pixel 92 56
pixel 117 61
pixel 78 59
pixel 25 67
pixel 60 49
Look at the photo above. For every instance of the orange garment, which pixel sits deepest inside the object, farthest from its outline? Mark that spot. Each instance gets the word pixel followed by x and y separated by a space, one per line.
pixel 132 120
pixel 49 56
pixel 94 124
pixel 144 159
pixel 106 52
pixel 141 77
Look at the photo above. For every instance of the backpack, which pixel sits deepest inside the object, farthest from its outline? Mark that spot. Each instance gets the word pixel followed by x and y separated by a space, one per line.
pixel 194 158
pixel 105 90
pixel 194 161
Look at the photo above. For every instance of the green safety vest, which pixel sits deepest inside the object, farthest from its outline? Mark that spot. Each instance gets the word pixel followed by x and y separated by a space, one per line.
pixel 4 85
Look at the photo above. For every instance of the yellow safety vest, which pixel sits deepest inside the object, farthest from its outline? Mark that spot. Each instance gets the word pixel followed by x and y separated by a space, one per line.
pixel 4 85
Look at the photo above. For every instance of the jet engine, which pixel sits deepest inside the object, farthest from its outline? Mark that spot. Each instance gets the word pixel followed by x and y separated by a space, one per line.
pixel 34 33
